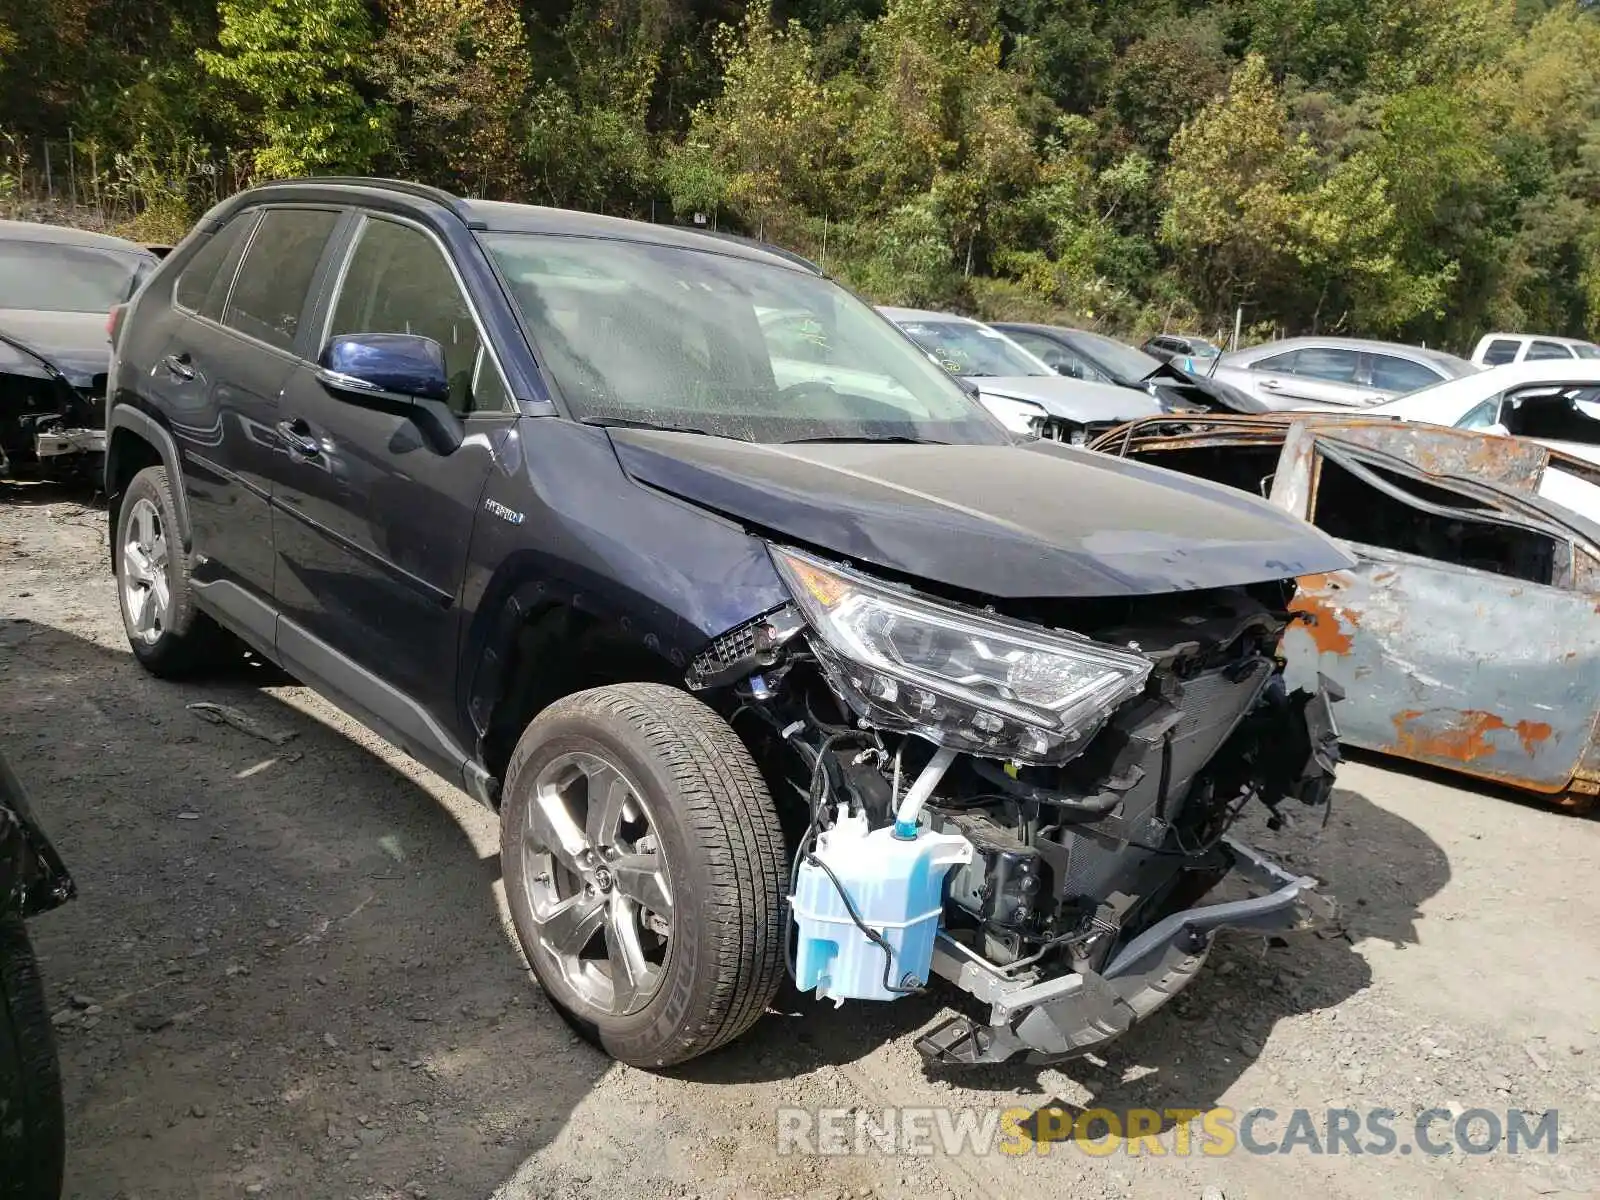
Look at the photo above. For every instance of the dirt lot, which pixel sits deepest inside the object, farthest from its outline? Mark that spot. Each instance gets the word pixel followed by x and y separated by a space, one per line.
pixel 289 973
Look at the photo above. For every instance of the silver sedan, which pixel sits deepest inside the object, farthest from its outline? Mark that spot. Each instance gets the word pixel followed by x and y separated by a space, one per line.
pixel 1335 373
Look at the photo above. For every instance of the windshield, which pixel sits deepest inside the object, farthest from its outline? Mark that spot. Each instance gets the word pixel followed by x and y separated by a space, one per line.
pixel 967 348
pixel 634 333
pixel 52 277
pixel 1122 361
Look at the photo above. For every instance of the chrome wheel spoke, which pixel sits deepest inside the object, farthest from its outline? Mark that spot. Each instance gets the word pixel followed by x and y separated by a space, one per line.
pixel 136 563
pixel 632 975
pixel 642 879
pixel 141 608
pixel 609 796
pixel 571 925
pixel 552 829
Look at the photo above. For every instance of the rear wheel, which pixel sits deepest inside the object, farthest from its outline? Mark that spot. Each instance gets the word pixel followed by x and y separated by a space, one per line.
pixel 32 1141
pixel 168 634
pixel 644 870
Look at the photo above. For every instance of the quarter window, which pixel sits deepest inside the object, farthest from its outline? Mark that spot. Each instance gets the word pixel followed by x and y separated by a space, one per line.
pixel 399 282
pixel 203 286
pixel 269 295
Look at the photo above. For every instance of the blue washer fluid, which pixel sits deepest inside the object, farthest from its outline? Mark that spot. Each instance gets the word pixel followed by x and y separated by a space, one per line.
pixel 897 886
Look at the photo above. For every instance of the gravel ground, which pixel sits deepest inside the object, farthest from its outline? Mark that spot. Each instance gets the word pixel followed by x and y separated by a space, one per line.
pixel 289 973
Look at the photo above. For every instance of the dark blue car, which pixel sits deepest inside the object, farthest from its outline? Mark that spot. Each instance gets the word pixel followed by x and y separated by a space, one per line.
pixel 675 553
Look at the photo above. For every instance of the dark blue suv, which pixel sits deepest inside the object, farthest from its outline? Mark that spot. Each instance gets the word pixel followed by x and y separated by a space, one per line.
pixel 692 566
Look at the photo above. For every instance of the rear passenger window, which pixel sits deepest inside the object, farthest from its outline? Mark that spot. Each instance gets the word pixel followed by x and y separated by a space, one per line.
pixel 269 294
pixel 399 282
pixel 1547 350
pixel 1500 351
pixel 1400 375
pixel 203 285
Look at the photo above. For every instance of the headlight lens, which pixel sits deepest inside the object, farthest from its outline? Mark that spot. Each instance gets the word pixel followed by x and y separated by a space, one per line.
pixel 955 676
pixel 1019 416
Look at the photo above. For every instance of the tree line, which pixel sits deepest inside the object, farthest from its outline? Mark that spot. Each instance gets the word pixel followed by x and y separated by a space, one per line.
pixel 1418 169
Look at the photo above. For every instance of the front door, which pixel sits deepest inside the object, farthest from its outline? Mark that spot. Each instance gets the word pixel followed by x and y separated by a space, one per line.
pixel 371 520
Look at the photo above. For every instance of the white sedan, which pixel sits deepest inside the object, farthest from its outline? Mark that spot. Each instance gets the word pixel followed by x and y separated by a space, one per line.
pixel 1555 402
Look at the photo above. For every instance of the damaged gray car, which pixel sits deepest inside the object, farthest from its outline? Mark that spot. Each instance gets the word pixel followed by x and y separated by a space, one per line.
pixel 58 288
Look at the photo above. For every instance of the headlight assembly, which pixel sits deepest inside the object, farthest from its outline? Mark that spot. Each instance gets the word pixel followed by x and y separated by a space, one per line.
pixel 958 677
pixel 1019 416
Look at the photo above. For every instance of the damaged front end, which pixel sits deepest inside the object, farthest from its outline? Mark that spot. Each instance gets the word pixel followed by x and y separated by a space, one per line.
pixel 50 424
pixel 1033 814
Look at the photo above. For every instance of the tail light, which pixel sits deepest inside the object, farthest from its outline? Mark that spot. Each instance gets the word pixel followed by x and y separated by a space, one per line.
pixel 114 322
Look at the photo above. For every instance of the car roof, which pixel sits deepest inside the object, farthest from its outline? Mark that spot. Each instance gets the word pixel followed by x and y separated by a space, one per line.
pixel 922 314
pixel 1034 327
pixel 66 235
pixel 496 216
pixel 1459 366
pixel 1535 337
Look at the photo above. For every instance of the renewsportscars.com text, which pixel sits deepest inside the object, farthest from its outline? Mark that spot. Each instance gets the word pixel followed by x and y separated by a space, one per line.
pixel 1211 1132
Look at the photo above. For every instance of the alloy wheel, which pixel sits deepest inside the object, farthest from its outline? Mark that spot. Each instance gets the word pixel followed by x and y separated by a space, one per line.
pixel 146 592
pixel 597 884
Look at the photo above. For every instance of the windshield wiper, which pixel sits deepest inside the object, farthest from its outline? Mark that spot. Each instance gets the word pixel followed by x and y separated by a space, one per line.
pixel 663 426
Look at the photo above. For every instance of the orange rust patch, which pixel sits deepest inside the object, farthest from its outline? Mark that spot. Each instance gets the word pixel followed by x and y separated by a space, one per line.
pixel 1328 621
pixel 1465 738
pixel 1531 733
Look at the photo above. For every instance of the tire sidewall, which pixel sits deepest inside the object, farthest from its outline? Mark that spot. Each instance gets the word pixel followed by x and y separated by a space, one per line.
pixel 32 1142
pixel 638 1035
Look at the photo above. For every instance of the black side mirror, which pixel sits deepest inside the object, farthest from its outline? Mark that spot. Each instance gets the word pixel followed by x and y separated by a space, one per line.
pixel 403 373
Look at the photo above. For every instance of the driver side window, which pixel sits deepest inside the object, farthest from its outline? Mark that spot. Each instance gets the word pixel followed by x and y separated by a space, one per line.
pixel 397 281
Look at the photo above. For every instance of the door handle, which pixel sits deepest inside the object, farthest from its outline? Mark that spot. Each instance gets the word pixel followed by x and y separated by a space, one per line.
pixel 177 365
pixel 1270 385
pixel 297 434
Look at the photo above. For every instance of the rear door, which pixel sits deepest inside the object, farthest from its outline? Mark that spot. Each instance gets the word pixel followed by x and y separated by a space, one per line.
pixel 371 521
pixel 1390 375
pixel 223 373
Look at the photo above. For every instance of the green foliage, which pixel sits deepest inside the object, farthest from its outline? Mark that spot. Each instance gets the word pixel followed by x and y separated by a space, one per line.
pixel 297 64
pixel 1422 169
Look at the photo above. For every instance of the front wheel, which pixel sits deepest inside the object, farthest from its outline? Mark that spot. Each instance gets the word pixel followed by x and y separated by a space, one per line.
pixel 643 865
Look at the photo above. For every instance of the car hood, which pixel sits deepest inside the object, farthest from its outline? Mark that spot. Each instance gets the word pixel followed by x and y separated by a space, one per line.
pixel 1040 520
pixel 74 343
pixel 1072 399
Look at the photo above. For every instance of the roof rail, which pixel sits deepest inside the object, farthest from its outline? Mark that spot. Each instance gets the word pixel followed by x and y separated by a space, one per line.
pixel 755 243
pixel 421 191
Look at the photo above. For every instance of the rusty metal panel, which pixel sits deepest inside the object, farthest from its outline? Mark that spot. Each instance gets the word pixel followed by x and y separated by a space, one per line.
pixel 1509 463
pixel 1460 668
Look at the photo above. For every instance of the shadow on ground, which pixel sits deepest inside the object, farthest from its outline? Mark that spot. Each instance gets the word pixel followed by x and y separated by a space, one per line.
pixel 290 969
pixel 286 965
